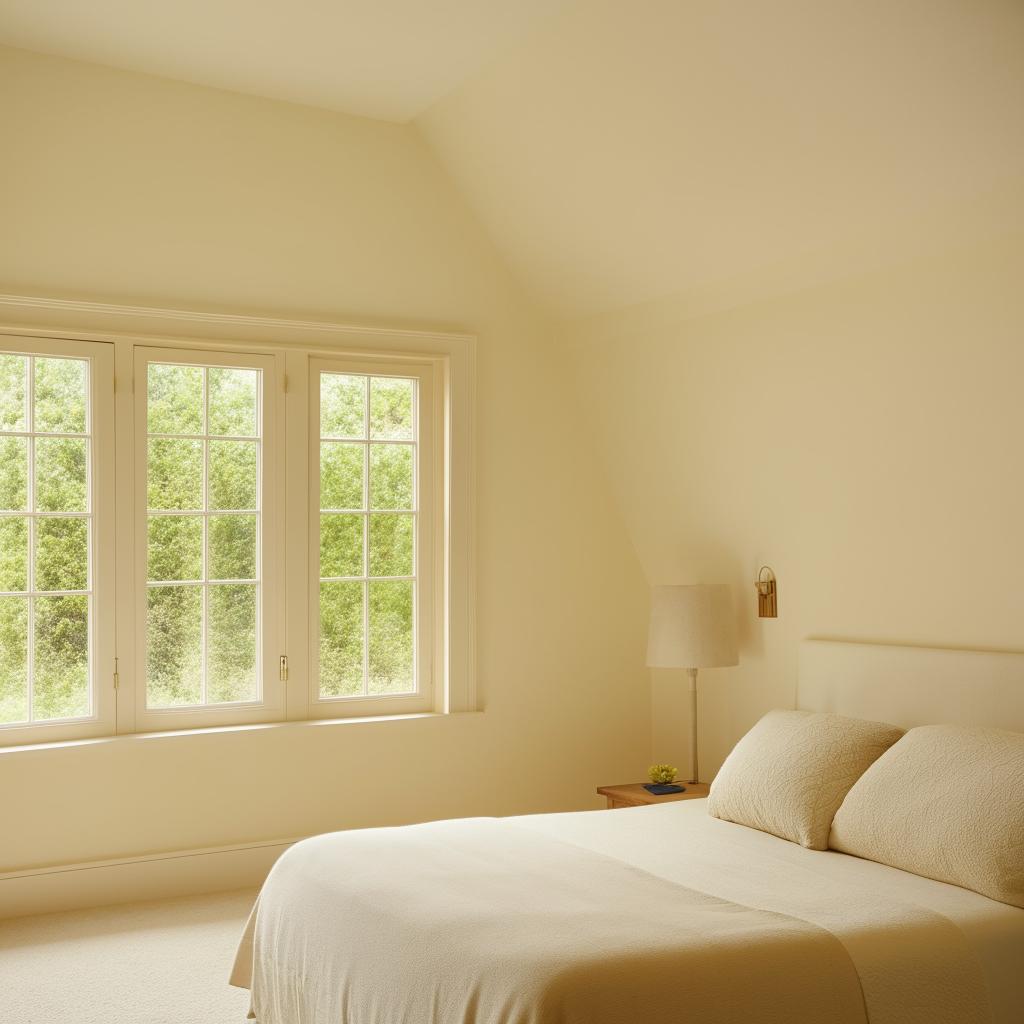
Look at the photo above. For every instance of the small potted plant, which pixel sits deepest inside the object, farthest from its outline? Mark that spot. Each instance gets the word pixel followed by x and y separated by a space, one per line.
pixel 662 777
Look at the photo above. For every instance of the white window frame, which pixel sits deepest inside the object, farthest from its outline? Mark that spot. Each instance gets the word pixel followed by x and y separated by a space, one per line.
pixel 271 705
pixel 291 344
pixel 101 485
pixel 427 547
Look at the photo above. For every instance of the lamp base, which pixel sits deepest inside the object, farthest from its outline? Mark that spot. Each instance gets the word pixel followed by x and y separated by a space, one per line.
pixel 692 673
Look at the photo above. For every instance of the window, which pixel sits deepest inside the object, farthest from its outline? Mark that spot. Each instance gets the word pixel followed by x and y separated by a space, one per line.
pixel 372 563
pixel 206 429
pixel 55 557
pixel 290 536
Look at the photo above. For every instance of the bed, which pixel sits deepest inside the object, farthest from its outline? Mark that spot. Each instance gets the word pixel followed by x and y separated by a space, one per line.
pixel 649 915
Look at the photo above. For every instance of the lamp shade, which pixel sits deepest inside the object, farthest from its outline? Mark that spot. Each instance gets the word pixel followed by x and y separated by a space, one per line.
pixel 692 627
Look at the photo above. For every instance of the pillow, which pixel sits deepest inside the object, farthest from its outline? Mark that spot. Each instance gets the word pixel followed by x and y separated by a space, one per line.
pixel 789 774
pixel 946 802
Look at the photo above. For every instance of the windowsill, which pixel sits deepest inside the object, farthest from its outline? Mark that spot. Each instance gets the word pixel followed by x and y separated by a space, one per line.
pixel 172 734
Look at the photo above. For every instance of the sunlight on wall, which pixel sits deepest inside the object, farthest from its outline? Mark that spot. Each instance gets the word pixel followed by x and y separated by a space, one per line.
pixel 862 437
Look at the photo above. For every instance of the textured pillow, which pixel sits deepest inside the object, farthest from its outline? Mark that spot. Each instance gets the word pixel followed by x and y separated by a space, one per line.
pixel 946 802
pixel 789 774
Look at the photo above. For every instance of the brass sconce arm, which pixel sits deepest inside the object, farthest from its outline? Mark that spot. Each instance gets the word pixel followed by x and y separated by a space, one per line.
pixel 767 594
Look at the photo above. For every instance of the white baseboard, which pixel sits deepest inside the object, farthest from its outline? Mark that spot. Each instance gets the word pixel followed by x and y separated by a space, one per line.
pixel 130 879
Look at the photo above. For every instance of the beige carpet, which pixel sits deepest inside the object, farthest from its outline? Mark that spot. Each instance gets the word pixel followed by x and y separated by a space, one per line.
pixel 142 963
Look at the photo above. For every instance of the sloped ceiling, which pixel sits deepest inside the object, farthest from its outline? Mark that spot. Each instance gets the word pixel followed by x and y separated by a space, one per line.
pixel 623 153
pixel 629 151
pixel 387 59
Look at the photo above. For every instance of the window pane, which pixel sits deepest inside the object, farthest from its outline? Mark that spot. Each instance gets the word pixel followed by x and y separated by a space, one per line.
pixel 13 659
pixel 175 548
pixel 13 370
pixel 175 474
pixel 341 475
pixel 373 472
pixel 233 475
pixel 60 395
pixel 233 401
pixel 232 545
pixel 174 399
pixel 61 685
pixel 203 638
pixel 391 638
pixel 231 656
pixel 391 405
pixel 174 625
pixel 13 554
pixel 61 474
pixel 13 474
pixel 391 545
pixel 62 554
pixel 391 468
pixel 341 639
pixel 342 405
pixel 341 545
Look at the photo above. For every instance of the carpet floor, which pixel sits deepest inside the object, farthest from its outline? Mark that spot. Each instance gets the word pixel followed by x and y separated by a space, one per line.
pixel 165 962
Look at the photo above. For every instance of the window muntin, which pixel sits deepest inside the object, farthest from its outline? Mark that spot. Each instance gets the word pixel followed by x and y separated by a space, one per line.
pixel 47 537
pixel 204 520
pixel 367 535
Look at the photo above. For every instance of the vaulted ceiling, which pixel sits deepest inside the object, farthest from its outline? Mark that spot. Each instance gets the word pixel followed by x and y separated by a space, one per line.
pixel 388 59
pixel 621 153
pixel 719 149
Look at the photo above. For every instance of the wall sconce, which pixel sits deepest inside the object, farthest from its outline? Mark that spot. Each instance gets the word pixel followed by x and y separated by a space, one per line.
pixel 767 594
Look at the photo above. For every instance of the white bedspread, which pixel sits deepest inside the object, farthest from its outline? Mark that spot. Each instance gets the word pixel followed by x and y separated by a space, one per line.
pixel 634 916
pixel 923 949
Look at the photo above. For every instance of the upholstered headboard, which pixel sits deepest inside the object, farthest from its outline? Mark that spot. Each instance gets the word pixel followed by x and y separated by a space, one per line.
pixel 910 686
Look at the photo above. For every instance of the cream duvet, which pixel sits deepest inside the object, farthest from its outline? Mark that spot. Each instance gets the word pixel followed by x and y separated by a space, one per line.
pixel 633 917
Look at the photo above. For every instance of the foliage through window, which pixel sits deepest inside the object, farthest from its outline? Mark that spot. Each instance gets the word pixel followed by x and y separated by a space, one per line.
pixel 203 535
pixel 202 543
pixel 46 532
pixel 368 528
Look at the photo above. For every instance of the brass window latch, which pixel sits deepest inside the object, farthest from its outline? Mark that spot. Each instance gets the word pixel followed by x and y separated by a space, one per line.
pixel 282 671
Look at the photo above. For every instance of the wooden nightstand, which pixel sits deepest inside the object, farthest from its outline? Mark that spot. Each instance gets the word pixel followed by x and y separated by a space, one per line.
pixel 634 795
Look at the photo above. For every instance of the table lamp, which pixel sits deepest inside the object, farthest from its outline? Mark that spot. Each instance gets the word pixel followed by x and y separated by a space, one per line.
pixel 692 627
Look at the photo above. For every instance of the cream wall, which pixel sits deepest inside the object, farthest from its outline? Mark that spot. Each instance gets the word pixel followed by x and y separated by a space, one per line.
pixel 129 189
pixel 784 240
pixel 864 438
